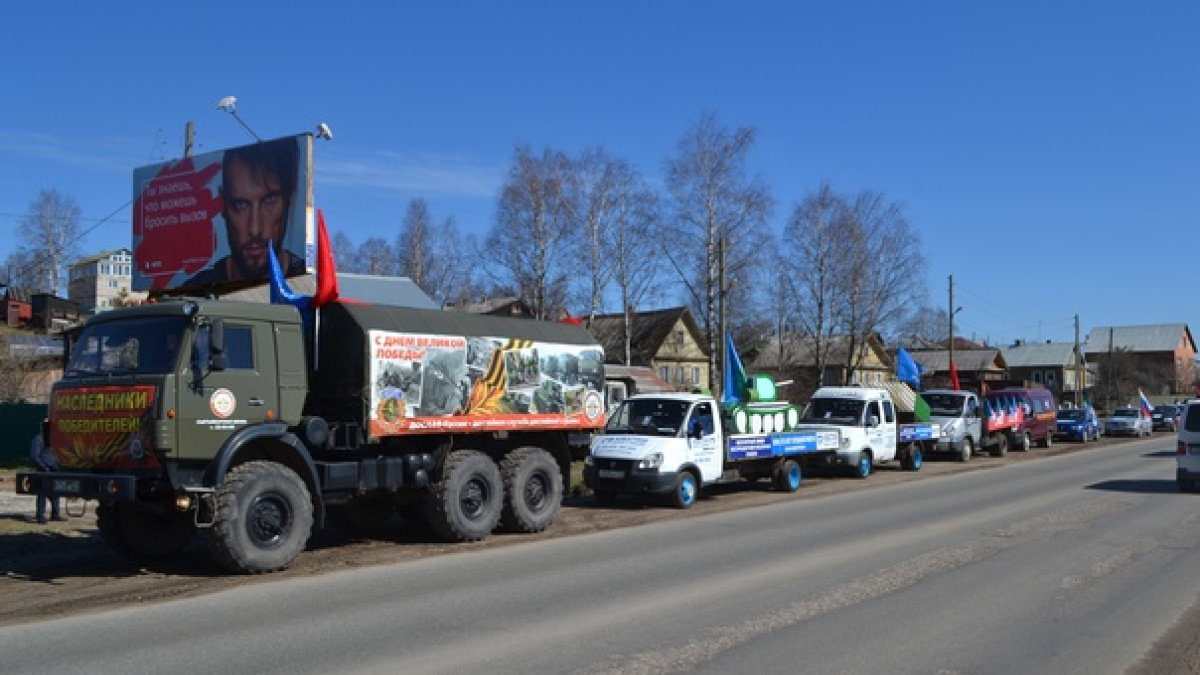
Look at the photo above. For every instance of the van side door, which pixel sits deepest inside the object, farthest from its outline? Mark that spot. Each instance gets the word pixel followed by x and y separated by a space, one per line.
pixel 704 446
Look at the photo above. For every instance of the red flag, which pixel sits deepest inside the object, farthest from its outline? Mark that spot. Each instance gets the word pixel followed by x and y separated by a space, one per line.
pixel 327 285
pixel 954 377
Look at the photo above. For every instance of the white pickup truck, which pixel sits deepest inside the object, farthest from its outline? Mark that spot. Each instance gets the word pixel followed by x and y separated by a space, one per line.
pixel 868 423
pixel 674 444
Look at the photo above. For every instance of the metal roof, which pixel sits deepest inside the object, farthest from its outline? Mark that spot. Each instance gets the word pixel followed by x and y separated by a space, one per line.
pixel 1153 338
pixel 1045 354
pixel 371 289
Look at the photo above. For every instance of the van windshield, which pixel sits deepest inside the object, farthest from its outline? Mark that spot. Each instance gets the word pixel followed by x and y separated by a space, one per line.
pixel 843 411
pixel 945 404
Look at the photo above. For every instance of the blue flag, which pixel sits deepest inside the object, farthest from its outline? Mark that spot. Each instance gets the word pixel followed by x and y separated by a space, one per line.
pixel 734 388
pixel 908 370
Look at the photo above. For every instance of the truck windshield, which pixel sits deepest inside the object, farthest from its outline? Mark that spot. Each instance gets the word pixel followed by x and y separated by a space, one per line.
pixel 148 345
pixel 843 411
pixel 647 416
pixel 945 404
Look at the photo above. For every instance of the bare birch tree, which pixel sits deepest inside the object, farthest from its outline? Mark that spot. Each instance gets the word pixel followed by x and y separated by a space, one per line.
pixel 717 225
pixel 857 266
pixel 817 264
pixel 614 211
pixel 530 243
pixel 47 239
pixel 376 257
pixel 414 244
pixel 345 253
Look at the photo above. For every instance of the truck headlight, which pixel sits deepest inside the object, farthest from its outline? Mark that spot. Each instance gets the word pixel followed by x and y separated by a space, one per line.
pixel 950 428
pixel 652 461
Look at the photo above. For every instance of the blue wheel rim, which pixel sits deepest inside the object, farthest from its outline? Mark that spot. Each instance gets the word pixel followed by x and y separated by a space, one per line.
pixel 687 490
pixel 793 476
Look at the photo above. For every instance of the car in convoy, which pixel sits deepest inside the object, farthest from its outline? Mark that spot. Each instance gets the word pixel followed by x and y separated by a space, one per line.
pixel 1187 448
pixel 1128 421
pixel 1078 424
pixel 1165 417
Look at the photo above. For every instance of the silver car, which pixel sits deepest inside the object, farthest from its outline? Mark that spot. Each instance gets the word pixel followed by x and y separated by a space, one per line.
pixel 1128 421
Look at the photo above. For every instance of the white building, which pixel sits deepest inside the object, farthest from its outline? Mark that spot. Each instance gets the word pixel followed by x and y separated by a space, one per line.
pixel 102 281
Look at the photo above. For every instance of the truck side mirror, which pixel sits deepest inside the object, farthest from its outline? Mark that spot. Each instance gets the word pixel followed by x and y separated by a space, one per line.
pixel 696 430
pixel 873 421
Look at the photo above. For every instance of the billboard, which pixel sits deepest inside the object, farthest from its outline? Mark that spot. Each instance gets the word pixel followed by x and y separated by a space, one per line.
pixel 204 222
pixel 423 383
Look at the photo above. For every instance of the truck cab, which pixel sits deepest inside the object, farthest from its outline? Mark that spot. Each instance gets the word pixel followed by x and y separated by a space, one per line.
pixel 653 442
pixel 870 431
pixel 958 414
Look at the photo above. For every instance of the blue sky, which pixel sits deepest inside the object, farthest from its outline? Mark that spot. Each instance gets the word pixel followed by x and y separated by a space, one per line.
pixel 1047 152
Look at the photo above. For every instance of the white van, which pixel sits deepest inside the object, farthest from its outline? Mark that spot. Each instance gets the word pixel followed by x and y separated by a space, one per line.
pixel 1187 449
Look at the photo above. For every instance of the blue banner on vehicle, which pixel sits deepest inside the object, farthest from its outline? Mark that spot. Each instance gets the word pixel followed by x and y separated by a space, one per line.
pixel 754 446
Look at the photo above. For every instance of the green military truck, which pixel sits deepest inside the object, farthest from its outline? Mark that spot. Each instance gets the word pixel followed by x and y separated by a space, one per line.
pixel 249 425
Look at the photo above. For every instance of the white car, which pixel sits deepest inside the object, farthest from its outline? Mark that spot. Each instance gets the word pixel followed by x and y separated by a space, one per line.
pixel 1128 421
pixel 1187 448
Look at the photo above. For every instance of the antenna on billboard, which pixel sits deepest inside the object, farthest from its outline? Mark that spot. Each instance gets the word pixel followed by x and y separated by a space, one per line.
pixel 229 105
pixel 323 131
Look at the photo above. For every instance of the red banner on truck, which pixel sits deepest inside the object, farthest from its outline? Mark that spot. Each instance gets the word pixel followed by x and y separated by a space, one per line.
pixel 102 427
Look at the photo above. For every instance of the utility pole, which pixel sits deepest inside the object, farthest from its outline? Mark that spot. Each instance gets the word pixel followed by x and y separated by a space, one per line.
pixel 189 135
pixel 1080 376
pixel 950 366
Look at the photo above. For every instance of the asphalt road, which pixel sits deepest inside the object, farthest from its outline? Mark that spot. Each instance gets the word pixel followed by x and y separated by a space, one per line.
pixel 1069 564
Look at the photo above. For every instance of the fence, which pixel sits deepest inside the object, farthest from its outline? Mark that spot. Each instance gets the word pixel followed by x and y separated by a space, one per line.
pixel 20 422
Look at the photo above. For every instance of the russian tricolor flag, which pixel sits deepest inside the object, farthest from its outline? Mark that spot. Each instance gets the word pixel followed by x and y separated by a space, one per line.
pixel 1146 407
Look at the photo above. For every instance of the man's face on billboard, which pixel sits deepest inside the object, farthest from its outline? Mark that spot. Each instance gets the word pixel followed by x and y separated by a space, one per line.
pixel 255 210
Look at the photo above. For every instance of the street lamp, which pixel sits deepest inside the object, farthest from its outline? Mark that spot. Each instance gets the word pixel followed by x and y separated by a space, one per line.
pixel 229 105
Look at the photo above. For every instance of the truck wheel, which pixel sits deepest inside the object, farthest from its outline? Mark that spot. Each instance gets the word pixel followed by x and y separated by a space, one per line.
pixel 1001 447
pixel 140 534
pixel 864 465
pixel 687 490
pixel 968 449
pixel 1047 440
pixel 533 490
pixel 264 516
pixel 913 458
pixel 465 504
pixel 1025 443
pixel 787 479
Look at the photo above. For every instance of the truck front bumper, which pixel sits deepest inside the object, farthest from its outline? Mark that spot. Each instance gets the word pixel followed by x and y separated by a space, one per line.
pixel 623 477
pixel 78 485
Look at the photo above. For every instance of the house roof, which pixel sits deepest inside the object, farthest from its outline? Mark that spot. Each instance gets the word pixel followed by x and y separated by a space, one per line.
pixel 650 330
pixel 645 381
pixel 801 351
pixel 371 289
pixel 506 306
pixel 1163 337
pixel 97 257
pixel 1033 355
pixel 965 360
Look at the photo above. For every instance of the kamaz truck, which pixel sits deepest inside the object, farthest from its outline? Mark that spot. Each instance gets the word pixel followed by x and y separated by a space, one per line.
pixel 251 425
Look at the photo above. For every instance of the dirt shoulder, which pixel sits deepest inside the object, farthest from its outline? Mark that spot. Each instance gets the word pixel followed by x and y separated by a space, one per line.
pixel 63 568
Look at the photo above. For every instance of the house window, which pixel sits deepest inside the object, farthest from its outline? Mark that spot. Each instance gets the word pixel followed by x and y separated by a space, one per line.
pixel 1037 376
pixel 878 378
pixel 1050 379
pixel 679 339
pixel 665 373
pixel 696 376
